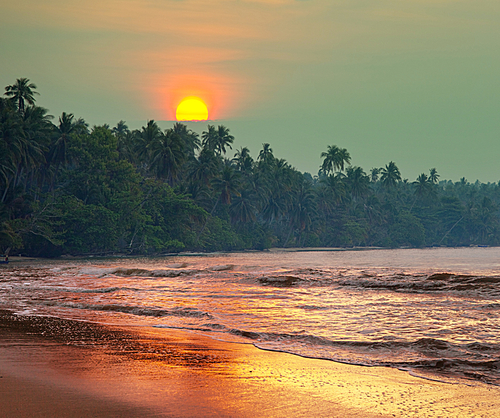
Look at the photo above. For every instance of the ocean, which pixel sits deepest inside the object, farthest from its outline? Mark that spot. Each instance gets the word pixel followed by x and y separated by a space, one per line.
pixel 434 312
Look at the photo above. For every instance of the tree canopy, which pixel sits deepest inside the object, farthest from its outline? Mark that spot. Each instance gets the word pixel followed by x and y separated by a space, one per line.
pixel 67 188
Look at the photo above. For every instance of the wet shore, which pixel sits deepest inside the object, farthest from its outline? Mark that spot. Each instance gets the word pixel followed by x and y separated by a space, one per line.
pixel 55 367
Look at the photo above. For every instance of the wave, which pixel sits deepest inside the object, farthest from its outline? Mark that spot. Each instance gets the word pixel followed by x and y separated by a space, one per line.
pixel 438 282
pixel 176 270
pixel 424 357
pixel 280 281
pixel 135 310
pixel 470 361
pixel 153 273
pixel 398 282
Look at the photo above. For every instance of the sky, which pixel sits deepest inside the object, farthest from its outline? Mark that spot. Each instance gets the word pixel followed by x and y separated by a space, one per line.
pixel 416 82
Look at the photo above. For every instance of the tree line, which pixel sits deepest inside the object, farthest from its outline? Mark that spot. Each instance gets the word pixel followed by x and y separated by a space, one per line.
pixel 67 188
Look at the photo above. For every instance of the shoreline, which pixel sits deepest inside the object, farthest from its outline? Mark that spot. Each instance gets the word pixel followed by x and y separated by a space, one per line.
pixel 49 365
pixel 68 257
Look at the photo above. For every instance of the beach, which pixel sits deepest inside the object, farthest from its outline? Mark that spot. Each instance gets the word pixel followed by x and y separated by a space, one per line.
pixel 56 367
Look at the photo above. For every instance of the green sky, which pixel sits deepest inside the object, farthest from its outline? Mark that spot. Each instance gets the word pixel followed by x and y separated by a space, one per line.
pixel 413 81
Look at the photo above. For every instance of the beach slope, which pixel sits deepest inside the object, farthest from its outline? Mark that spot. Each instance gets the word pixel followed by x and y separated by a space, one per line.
pixel 53 367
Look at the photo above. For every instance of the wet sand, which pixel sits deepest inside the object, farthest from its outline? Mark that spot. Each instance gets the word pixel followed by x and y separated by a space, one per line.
pixel 51 367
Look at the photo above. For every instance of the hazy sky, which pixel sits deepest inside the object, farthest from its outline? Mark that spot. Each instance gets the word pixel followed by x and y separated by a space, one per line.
pixel 413 81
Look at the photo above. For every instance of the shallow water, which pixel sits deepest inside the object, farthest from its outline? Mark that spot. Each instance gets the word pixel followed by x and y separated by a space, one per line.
pixel 433 311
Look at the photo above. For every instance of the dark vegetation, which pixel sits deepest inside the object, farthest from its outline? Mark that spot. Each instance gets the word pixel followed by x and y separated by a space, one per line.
pixel 66 188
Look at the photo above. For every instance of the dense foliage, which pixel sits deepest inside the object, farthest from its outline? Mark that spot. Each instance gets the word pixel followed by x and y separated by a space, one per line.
pixel 66 188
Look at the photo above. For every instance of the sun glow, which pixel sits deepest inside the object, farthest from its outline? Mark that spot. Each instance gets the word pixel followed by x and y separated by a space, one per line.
pixel 191 109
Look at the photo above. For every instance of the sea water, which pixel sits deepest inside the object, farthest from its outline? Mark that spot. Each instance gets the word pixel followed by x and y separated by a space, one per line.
pixel 434 312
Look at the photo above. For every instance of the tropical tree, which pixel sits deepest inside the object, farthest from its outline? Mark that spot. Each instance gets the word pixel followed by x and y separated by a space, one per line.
pixel 243 160
pixel 20 92
pixel 205 167
pixel 189 138
pixel 331 193
pixel 58 152
pixel 266 157
pixel 433 176
pixel 335 159
pixel 37 128
pixel 217 139
pixel 358 182
pixel 243 208
pixel 374 174
pixel 11 144
pixel 390 175
pixel 301 210
pixel 167 155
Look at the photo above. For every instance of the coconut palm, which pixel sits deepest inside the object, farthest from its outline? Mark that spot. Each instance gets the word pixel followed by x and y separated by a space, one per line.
pixel 11 144
pixel 227 185
pixel 335 159
pixel 37 128
pixel 190 138
pixel 358 182
pixel 20 92
pixel 302 209
pixel 433 176
pixel 243 160
pixel 266 157
pixel 167 156
pixel 225 139
pixel 374 174
pixel 205 167
pixel 390 175
pixel 335 187
pixel 121 129
pixel 243 208
pixel 58 152
pixel 217 139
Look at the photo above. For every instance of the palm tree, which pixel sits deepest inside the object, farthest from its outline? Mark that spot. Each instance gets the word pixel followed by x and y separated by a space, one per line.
pixel 225 139
pixel 125 144
pixel 357 181
pixel 433 176
pixel 37 127
pixel 243 207
pixel 205 167
pixel 121 129
pixel 390 175
pixel 335 187
pixel 243 160
pixel 190 138
pixel 266 157
pixel 11 144
pixel 335 158
pixel 209 138
pixel 227 184
pixel 20 92
pixel 301 210
pixel 167 156
pixel 58 151
pixel 143 140
pixel 422 185
pixel 374 174
pixel 217 139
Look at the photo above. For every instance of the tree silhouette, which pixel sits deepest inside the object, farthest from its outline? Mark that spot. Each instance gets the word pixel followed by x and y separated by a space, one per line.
pixel 335 158
pixel 390 175
pixel 20 92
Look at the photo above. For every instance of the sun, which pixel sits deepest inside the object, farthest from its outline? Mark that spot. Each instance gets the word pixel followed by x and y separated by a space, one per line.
pixel 191 109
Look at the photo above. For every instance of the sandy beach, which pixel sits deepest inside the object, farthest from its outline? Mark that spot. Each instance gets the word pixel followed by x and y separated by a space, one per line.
pixel 51 367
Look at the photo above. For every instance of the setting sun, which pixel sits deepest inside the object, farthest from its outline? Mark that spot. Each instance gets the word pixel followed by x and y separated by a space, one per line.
pixel 191 109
